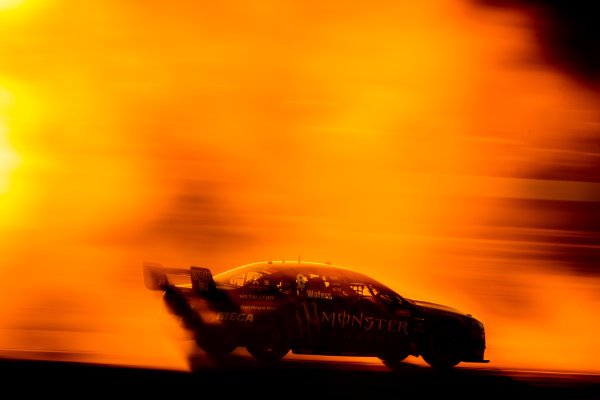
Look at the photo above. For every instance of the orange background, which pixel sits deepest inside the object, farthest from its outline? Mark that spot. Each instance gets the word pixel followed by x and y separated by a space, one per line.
pixel 426 144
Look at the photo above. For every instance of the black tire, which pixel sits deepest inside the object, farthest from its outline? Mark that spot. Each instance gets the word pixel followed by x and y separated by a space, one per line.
pixel 270 340
pixel 443 348
pixel 215 346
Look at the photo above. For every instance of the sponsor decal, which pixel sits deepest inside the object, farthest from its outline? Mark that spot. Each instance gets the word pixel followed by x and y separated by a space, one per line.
pixel 233 316
pixel 318 295
pixel 257 308
pixel 257 297
pixel 344 320
pixel 301 281
pixel 307 317
pixel 258 286
pixel 200 279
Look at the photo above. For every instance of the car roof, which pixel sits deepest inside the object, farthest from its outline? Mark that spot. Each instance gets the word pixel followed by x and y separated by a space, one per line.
pixel 299 265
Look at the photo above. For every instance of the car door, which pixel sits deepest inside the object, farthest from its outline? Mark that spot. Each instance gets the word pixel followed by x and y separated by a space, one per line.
pixel 339 315
pixel 391 326
pixel 316 307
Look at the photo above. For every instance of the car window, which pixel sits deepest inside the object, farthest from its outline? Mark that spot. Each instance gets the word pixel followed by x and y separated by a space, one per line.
pixel 323 285
pixel 312 284
pixel 385 296
pixel 284 285
pixel 361 290
pixel 368 291
pixel 243 278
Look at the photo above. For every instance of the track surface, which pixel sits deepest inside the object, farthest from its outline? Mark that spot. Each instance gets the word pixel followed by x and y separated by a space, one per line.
pixel 242 377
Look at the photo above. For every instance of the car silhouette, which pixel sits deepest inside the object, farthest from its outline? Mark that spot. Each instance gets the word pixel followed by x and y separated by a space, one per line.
pixel 313 308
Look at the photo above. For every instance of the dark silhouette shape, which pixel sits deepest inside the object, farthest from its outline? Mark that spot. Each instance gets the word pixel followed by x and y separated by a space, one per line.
pixel 323 309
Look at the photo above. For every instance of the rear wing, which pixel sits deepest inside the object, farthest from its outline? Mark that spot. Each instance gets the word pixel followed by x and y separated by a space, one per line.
pixel 156 277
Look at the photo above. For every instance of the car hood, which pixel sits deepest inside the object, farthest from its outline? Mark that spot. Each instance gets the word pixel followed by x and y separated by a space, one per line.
pixel 437 308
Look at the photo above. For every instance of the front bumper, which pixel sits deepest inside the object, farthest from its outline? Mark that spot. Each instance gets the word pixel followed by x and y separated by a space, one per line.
pixel 475 350
pixel 474 354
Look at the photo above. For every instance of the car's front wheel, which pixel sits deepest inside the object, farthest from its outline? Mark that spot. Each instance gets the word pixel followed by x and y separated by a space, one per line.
pixel 270 340
pixel 444 346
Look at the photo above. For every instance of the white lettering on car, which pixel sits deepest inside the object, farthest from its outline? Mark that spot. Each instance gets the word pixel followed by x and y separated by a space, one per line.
pixel 257 297
pixel 318 295
pixel 233 316
pixel 344 320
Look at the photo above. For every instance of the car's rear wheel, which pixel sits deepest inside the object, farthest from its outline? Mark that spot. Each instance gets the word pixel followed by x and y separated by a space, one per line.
pixel 444 345
pixel 270 340
pixel 214 345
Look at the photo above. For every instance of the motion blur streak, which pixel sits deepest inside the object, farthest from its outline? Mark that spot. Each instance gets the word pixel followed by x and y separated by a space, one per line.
pixel 9 158
pixel 426 143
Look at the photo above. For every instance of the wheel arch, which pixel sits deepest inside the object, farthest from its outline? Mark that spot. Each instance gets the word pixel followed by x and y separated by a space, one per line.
pixel 441 323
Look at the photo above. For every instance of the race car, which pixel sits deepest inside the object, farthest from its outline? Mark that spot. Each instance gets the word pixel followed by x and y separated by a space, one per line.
pixel 273 307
